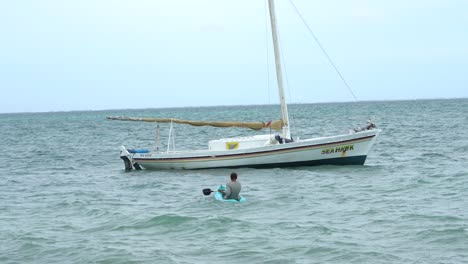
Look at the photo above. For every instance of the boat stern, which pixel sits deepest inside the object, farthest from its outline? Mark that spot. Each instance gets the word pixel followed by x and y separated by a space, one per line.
pixel 127 158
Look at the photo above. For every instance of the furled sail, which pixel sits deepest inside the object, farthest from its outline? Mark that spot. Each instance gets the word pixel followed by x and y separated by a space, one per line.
pixel 276 125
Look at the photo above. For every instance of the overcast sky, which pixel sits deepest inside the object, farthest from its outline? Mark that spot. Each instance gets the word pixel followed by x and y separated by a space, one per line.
pixel 58 55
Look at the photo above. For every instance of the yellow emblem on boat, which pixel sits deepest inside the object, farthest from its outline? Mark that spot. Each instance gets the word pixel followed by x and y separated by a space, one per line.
pixel 232 145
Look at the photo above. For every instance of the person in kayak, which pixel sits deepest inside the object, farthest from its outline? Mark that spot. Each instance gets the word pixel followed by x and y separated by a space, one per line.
pixel 233 188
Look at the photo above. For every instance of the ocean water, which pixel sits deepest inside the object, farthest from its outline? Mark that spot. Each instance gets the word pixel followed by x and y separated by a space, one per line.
pixel 65 197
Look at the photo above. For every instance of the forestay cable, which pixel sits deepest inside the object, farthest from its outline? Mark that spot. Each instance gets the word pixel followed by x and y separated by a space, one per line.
pixel 323 50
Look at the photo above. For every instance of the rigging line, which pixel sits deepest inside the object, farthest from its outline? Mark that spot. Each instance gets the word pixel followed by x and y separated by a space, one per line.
pixel 267 50
pixel 323 50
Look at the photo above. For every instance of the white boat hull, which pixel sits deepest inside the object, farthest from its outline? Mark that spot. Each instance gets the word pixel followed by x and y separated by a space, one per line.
pixel 351 149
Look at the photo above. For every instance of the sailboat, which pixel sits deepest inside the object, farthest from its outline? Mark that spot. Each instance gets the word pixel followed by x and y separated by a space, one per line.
pixel 259 151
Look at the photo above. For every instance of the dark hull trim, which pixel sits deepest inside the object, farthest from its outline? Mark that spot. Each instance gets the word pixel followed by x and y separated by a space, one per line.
pixel 356 160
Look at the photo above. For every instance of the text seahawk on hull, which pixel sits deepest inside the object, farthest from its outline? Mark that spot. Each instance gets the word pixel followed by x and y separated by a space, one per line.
pixel 259 151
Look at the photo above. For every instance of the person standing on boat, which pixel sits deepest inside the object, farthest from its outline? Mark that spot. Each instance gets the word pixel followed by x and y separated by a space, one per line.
pixel 233 188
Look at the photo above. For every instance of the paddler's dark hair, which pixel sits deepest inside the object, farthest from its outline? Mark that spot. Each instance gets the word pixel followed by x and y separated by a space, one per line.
pixel 233 176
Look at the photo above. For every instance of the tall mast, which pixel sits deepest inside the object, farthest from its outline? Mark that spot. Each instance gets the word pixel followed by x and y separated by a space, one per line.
pixel 279 73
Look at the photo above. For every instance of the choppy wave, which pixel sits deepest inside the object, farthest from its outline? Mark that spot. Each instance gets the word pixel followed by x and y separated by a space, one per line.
pixel 65 198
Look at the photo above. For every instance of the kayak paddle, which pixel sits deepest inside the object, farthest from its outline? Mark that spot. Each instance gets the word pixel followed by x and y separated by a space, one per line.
pixel 207 191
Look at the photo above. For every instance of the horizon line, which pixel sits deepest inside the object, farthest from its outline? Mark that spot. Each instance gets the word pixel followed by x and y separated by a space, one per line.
pixel 234 105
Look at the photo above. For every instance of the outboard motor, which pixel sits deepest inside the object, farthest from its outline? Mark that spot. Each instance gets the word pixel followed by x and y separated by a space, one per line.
pixel 127 163
pixel 128 158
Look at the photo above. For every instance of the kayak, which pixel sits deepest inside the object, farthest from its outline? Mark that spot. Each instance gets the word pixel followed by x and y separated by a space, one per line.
pixel 219 196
